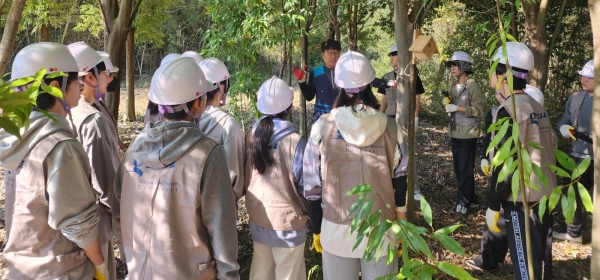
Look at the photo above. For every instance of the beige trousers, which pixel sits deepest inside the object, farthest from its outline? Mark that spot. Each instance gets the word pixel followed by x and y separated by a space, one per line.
pixel 275 263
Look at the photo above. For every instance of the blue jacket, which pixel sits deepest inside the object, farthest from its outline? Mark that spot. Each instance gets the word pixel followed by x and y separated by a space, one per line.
pixel 321 85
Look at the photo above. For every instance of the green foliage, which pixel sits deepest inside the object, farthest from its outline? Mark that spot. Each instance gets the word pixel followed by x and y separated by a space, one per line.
pixel 47 12
pixel 149 20
pixel 376 228
pixel 90 20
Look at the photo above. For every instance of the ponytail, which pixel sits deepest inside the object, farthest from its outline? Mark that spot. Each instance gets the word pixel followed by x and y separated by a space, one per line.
pixel 260 155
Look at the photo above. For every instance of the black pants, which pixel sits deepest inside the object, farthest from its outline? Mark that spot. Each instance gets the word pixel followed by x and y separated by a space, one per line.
pixel 587 180
pixel 541 241
pixel 494 245
pixel 463 153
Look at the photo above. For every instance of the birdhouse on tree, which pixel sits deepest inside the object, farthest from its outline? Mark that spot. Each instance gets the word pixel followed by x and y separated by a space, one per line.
pixel 423 47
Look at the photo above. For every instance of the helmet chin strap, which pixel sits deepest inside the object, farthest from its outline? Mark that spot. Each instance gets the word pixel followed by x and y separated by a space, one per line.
pixel 97 93
pixel 224 89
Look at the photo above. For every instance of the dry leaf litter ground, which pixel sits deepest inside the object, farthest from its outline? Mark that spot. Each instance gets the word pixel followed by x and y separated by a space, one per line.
pixel 438 185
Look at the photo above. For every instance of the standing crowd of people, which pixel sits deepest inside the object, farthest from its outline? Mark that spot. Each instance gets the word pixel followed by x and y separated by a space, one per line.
pixel 170 198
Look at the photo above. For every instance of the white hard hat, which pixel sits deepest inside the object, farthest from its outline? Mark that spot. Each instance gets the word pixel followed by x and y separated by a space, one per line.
pixel 274 96
pixel 353 70
pixel 461 56
pixel 519 55
pixel 109 66
pixel 52 56
pixel 214 70
pixel 86 57
pixel 169 57
pixel 588 70
pixel 196 56
pixel 462 60
pixel 535 93
pixel 177 82
pixel 394 49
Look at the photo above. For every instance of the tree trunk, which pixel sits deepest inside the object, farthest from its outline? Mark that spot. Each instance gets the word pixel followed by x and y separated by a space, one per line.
pixel 11 28
pixel 333 32
pixel 535 28
pixel 514 29
pixel 311 6
pixel 44 33
pixel 594 7
pixel 130 75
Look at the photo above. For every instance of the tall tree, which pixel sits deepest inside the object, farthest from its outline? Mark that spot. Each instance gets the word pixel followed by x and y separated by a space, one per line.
pixel 594 7
pixel 334 24
pixel 308 7
pixel 10 31
pixel 129 72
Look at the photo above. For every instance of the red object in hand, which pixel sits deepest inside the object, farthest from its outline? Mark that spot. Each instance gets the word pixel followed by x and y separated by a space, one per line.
pixel 300 74
pixel 572 132
pixel 391 83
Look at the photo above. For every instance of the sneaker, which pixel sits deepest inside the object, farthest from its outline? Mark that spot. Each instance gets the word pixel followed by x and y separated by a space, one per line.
pixel 461 209
pixel 567 237
pixel 473 265
pixel 418 195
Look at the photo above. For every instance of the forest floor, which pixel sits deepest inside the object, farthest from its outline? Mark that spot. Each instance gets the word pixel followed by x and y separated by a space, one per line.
pixel 438 185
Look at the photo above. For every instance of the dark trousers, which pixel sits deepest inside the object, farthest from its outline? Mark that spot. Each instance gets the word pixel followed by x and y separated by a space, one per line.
pixel 494 245
pixel 541 241
pixel 463 153
pixel 587 180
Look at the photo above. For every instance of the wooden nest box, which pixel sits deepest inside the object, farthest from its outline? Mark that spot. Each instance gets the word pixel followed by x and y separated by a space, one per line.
pixel 424 47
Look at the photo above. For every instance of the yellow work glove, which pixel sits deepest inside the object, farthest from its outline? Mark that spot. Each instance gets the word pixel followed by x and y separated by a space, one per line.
pixel 317 243
pixel 445 101
pixel 485 167
pixel 400 247
pixel 491 219
pixel 101 272
pixel 567 131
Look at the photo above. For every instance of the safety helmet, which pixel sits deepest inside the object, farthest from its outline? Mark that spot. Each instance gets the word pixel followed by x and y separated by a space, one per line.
pixel 109 66
pixel 52 56
pixel 462 60
pixel 86 57
pixel 353 71
pixel 274 96
pixel 588 70
pixel 535 93
pixel 519 56
pixel 393 50
pixel 169 57
pixel 177 82
pixel 196 56
pixel 214 70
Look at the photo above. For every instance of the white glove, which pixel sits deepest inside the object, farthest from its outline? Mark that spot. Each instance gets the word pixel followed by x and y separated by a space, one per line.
pixel 491 219
pixel 485 167
pixel 416 123
pixel 567 131
pixel 451 108
pixel 101 272
pixel 391 83
pixel 445 101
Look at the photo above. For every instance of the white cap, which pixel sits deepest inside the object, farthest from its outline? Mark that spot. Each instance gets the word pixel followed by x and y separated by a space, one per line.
pixel 519 55
pixel 177 82
pixel 196 56
pixel 394 49
pixel 535 93
pixel 169 57
pixel 86 57
pixel 461 56
pixel 214 70
pixel 274 96
pixel 353 70
pixel 52 56
pixel 588 70
pixel 109 66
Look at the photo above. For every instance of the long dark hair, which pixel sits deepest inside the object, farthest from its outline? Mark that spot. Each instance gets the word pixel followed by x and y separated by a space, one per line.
pixel 260 156
pixel 365 96
pixel 153 108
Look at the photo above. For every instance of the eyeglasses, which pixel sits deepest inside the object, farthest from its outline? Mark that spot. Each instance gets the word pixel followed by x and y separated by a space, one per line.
pixel 333 53
pixel 107 73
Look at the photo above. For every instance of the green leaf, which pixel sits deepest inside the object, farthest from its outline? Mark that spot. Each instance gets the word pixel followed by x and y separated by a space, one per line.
pixel 554 197
pixel 502 154
pixel 526 161
pixel 586 200
pixel 363 212
pixel 507 169
pixel 10 127
pixel 542 207
pixel 360 189
pixel 454 271
pixel 53 91
pixel 405 271
pixel 581 168
pixel 39 75
pixel 499 135
pixel 357 204
pixel 450 244
pixel 539 173
pixel 565 160
pixel 515 185
pixel 559 171
pixel 55 74
pixel 21 82
pixel 569 211
pixel 14 99
pixel 391 252
pixel 447 230
pixel 426 210
pixel 535 145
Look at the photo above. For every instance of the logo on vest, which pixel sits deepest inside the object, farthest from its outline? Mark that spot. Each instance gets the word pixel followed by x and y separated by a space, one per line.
pixel 136 170
pixel 275 146
pixel 533 117
pixel 339 136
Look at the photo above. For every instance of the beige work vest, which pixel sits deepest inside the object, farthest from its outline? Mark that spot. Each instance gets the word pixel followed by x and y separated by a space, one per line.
pixel 162 230
pixel 34 250
pixel 272 199
pixel 346 166
pixel 534 126
pixel 391 94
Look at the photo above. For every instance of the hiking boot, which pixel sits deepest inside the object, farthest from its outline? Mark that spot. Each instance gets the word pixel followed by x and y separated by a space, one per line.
pixel 567 237
pixel 473 265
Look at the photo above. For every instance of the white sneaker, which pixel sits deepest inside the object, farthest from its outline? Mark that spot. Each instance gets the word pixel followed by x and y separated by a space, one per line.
pixel 566 236
pixel 461 209
pixel 418 195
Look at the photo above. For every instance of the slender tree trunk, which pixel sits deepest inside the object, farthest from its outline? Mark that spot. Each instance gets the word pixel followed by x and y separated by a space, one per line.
pixel 10 32
pixel 535 28
pixel 309 5
pixel 514 29
pixel 142 59
pixel 130 75
pixel 594 7
pixel 44 33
